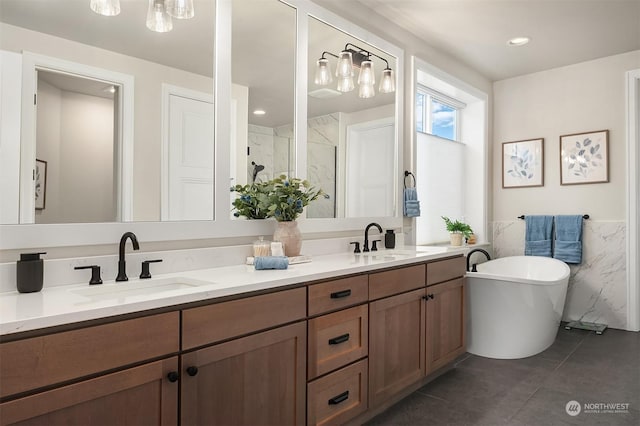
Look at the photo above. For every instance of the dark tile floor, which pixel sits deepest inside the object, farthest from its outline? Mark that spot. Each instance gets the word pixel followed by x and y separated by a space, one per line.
pixel 580 366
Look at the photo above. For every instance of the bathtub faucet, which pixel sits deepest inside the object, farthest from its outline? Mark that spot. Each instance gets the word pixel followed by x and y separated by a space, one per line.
pixel 474 267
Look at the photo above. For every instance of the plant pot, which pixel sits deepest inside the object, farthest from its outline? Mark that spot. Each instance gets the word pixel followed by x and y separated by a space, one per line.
pixel 290 237
pixel 456 238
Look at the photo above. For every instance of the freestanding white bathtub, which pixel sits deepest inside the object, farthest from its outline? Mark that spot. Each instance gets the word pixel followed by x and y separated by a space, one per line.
pixel 515 306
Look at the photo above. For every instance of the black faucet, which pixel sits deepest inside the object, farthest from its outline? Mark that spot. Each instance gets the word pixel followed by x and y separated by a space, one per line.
pixel 366 235
pixel 474 269
pixel 122 265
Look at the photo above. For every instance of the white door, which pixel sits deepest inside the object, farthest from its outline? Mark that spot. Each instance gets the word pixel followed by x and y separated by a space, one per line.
pixel 190 160
pixel 370 168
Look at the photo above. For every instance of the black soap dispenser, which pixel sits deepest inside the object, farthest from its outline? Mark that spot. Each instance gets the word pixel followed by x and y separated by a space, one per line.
pixel 30 271
pixel 390 239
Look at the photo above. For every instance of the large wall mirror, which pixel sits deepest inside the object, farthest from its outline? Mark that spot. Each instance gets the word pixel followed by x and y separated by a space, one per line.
pixel 351 128
pixel 263 63
pixel 124 118
pixel 160 173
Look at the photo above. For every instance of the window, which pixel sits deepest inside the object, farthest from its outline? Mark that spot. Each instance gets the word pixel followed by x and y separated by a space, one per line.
pixel 437 114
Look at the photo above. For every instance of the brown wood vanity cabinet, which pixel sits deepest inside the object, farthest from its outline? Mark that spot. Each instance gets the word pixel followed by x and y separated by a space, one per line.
pixel 239 375
pixel 416 323
pixel 445 329
pixel 338 347
pixel 76 361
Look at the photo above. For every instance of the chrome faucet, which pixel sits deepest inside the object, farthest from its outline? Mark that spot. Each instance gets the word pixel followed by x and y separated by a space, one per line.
pixel 122 265
pixel 366 236
pixel 474 267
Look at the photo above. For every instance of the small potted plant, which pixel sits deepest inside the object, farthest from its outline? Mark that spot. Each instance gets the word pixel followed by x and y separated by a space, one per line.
pixel 457 230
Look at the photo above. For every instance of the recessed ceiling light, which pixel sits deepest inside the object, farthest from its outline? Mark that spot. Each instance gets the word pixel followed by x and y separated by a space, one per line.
pixel 259 112
pixel 518 41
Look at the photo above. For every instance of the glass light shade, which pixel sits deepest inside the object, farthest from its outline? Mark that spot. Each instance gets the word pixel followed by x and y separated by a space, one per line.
pixel 345 65
pixel 366 75
pixel 105 7
pixel 323 72
pixel 158 19
pixel 345 84
pixel 366 91
pixel 180 9
pixel 387 82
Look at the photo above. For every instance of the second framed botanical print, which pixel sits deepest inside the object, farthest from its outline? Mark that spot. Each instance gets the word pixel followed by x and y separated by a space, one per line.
pixel 584 158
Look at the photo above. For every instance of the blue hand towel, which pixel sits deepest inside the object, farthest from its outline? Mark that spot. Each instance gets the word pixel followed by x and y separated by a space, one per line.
pixel 271 262
pixel 537 240
pixel 568 244
pixel 411 203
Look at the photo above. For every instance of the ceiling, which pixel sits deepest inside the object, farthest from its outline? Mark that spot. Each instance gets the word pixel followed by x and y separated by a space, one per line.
pixel 475 32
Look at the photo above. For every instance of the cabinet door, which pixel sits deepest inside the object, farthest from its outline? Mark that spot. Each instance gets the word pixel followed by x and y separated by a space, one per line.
pixel 396 344
pixel 136 396
pixel 254 380
pixel 445 323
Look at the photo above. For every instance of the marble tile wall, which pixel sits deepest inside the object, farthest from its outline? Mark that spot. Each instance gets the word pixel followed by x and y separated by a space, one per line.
pixel 260 143
pixel 597 287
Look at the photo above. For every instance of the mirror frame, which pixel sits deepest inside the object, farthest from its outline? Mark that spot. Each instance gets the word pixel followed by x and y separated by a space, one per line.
pixel 23 236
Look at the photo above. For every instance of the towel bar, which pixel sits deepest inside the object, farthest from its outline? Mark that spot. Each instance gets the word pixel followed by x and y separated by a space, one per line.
pixel 586 216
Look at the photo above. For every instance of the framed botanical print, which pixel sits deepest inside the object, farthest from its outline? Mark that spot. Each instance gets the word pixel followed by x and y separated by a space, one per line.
pixel 584 158
pixel 40 184
pixel 523 163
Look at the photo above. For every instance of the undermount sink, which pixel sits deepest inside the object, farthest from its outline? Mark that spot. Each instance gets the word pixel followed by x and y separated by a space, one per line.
pixel 125 289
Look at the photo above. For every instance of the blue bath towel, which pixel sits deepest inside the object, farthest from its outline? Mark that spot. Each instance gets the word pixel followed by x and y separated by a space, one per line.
pixel 537 240
pixel 271 262
pixel 411 203
pixel 568 244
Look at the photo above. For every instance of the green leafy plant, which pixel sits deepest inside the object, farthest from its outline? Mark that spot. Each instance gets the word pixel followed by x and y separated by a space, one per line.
pixel 288 197
pixel 457 226
pixel 253 202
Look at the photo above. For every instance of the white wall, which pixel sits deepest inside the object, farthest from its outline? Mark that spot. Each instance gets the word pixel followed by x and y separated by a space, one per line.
pixel 577 98
pixel 572 99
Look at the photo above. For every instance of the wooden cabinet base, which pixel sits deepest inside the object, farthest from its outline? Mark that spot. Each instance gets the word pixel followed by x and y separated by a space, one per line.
pixel 259 379
pixel 339 396
pixel 137 396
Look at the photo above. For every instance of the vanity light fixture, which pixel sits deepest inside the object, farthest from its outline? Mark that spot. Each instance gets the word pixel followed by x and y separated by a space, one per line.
pixel 105 7
pixel 158 19
pixel 351 57
pixel 159 12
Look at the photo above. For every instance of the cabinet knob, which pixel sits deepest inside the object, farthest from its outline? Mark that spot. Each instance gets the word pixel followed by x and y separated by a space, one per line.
pixel 192 371
pixel 173 376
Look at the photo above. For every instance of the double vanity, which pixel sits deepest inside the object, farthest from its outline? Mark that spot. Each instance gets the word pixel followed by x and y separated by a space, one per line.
pixel 333 341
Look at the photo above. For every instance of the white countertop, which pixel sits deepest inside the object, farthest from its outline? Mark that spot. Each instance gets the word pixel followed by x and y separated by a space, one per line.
pixel 68 304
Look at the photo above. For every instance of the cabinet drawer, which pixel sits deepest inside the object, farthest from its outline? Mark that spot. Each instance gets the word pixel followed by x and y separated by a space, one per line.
pixel 213 323
pixel 338 397
pixel 337 339
pixel 337 294
pixel 41 361
pixel 445 270
pixel 388 283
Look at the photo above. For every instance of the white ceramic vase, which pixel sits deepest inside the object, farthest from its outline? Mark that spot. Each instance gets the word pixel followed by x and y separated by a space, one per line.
pixel 289 235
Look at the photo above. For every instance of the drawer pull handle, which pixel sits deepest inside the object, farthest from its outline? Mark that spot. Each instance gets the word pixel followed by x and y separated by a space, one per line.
pixel 341 294
pixel 339 339
pixel 339 398
pixel 173 376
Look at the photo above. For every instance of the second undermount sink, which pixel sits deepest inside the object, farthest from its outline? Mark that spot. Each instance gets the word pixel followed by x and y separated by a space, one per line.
pixel 126 289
